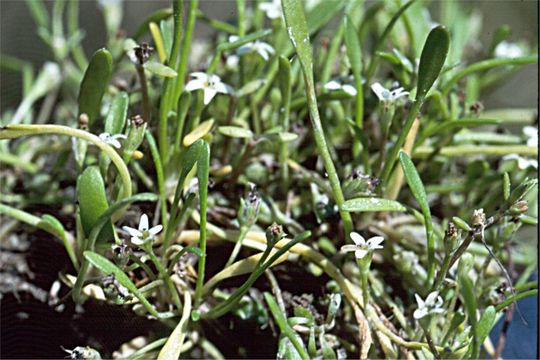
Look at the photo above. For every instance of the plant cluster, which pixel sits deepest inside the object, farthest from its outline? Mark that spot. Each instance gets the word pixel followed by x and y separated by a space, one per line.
pixel 345 140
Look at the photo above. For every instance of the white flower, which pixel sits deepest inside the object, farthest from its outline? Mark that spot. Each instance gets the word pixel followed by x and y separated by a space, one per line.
pixel 112 139
pixel 272 9
pixel 523 163
pixel 532 135
pixel 507 49
pixel 338 84
pixel 361 247
pixel 386 95
pixel 432 305
pixel 260 47
pixel 143 234
pixel 210 84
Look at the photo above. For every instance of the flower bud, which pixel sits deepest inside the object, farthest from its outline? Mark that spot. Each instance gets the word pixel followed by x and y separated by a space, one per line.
pixel 274 233
pixel 450 237
pixel 518 208
pixel 249 209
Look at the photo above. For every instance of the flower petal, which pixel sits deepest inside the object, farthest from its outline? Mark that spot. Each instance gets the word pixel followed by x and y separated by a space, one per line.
pixel 374 242
pixel 430 300
pixel 378 89
pixel 137 241
pixel 209 94
pixel 348 248
pixel 131 231
pixel 358 239
pixel 143 223
pixel 194 85
pixel 419 301
pixel 360 253
pixel 349 89
pixel 155 230
pixel 419 313
pixel 223 88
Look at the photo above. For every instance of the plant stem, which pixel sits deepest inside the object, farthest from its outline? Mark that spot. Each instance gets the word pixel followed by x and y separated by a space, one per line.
pixel 165 276
pixel 392 156
pixel 15 131
pixel 284 326
pixel 325 153
pixel 485 65
pixel 238 245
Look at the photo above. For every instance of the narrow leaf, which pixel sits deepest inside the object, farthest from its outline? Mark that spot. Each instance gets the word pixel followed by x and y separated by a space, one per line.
pixel 159 69
pixel 298 32
pixel 107 267
pixel 93 202
pixel 371 205
pixel 116 118
pixel 94 84
pixel 432 60
pixel 198 132
pixel 486 323
pixel 235 132
pixel 419 193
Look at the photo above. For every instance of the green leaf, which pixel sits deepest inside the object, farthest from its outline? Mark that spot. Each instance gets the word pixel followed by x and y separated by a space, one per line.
pixel 462 224
pixel 38 12
pixel 250 87
pixel 198 132
pixel 52 224
pixel 487 320
pixel 107 267
pixel 235 132
pixel 298 33
pixel 354 52
pixel 116 118
pixel 432 60
pixel 506 186
pixel 419 193
pixel 371 205
pixel 173 346
pixel 159 69
pixel 94 84
pixel 93 202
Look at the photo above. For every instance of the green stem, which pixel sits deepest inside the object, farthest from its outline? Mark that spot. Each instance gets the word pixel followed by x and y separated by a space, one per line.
pixel 515 298
pixel 186 43
pixel 165 276
pixel 325 152
pixel 454 151
pixel 283 326
pixel 485 65
pixel 392 156
pixel 15 131
pixel 39 223
pixel 238 245
pixel 159 173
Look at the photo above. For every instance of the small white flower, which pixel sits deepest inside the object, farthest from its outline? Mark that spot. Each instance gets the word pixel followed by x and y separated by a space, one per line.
pixel 143 234
pixel 272 9
pixel 112 139
pixel 260 47
pixel 523 163
pixel 338 84
pixel 388 96
pixel 361 247
pixel 210 84
pixel 432 305
pixel 507 49
pixel 532 135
